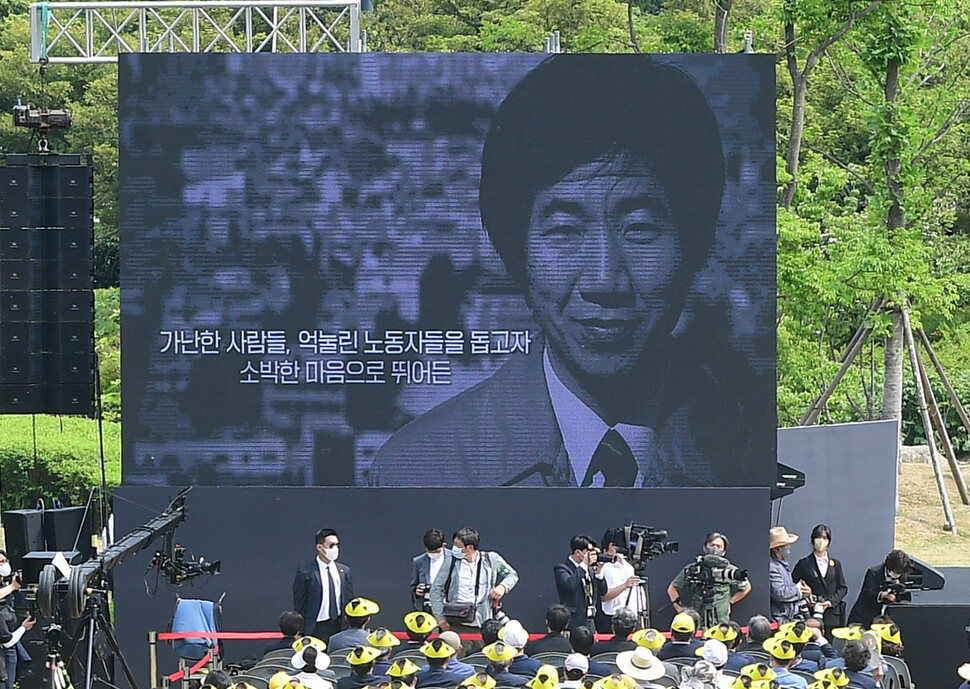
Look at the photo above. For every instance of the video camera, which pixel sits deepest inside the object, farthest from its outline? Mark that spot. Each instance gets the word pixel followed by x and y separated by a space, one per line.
pixel 179 568
pixel 903 594
pixel 707 570
pixel 640 544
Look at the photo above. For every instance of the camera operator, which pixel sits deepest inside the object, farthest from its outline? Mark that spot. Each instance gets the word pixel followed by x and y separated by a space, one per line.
pixel 824 576
pixel 10 632
pixel 710 584
pixel 579 584
pixel 623 589
pixel 884 584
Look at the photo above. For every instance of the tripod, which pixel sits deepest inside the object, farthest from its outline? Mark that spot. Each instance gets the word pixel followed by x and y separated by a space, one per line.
pixel 93 620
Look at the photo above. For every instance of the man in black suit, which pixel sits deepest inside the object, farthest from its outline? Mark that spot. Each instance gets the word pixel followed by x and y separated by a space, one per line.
pixel 577 584
pixel 557 620
pixel 322 587
pixel 877 591
pixel 425 567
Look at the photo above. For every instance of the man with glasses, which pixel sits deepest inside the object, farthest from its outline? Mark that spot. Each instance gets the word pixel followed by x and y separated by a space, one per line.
pixel 577 584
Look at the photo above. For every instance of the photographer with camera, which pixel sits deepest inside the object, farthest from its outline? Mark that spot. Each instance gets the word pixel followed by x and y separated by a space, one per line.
pixel 883 584
pixel 469 591
pixel 425 567
pixel 579 584
pixel 710 584
pixel 11 633
pixel 824 577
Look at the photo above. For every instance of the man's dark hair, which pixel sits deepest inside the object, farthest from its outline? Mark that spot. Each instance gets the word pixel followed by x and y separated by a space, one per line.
pixel 356 622
pixel 468 536
pixel 291 623
pixel 433 539
pixel 557 618
pixel 581 640
pixel 574 674
pixel 716 534
pixel 855 655
pixel 365 668
pixel 624 622
pixel 822 531
pixel 734 643
pixel 759 628
pixel 438 662
pixel 490 631
pixel 218 679
pixel 898 561
pixel 580 542
pixel 322 535
pixel 568 112
pixel 613 535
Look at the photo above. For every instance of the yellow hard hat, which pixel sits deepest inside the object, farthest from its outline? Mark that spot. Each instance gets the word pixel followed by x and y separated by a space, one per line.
pixel 361 607
pixel 363 655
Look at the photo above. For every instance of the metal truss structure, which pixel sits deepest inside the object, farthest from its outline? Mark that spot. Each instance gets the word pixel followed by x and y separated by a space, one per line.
pixel 90 32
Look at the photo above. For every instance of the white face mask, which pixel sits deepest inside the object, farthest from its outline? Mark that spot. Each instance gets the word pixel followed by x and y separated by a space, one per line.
pixel 456 552
pixel 5 569
pixel 436 555
pixel 331 553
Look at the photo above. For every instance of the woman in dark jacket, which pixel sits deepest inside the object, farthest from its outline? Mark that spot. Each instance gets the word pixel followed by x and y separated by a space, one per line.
pixel 824 576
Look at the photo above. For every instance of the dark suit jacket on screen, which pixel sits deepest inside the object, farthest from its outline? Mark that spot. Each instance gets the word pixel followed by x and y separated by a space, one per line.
pixel 571 588
pixel 503 431
pixel 308 592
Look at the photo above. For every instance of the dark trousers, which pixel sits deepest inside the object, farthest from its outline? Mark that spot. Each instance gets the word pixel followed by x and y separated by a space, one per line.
pixel 325 629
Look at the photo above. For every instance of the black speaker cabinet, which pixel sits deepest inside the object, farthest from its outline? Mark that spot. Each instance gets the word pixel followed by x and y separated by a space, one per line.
pixel 24 531
pixel 64 526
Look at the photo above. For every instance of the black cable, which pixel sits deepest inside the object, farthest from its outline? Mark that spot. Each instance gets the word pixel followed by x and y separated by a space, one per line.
pixel 99 410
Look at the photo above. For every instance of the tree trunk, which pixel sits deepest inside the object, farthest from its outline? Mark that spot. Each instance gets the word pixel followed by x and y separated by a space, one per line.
pixel 633 29
pixel 799 84
pixel 892 386
pixel 722 9
pixel 896 218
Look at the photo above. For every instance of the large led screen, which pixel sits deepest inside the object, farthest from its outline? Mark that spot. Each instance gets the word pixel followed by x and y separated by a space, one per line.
pixel 448 270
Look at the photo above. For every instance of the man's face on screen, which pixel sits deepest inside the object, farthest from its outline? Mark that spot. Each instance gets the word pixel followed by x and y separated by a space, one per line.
pixel 602 254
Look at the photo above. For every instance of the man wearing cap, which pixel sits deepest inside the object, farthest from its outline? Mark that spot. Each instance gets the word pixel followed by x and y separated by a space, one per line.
pixel 602 201
pixel 729 634
pixel 515 635
pixel 403 670
pixel 463 670
pixel 480 680
pixel 578 581
pixel 557 620
pixel 481 578
pixel 783 656
pixel 358 612
pixel 437 673
pixel 500 656
pixel 623 621
pixel 322 587
pixel 385 642
pixel 784 592
pixel 547 677
pixel 361 660
pixel 642 665
pixel 425 567
pixel 418 626
pixel 575 668
pixel 682 642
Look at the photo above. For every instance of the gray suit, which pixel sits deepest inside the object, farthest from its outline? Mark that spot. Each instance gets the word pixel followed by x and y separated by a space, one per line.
pixel 421 574
pixel 495 571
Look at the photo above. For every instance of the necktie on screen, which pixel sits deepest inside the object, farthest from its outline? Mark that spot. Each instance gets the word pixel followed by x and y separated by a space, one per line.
pixel 334 611
pixel 614 459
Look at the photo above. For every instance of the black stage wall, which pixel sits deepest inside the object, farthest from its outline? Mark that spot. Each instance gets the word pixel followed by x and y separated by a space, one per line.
pixel 933 627
pixel 262 534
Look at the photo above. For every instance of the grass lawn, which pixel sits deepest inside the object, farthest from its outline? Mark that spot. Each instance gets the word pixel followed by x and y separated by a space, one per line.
pixel 919 521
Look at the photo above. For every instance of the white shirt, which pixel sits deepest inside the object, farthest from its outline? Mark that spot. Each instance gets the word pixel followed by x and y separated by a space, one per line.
pixel 823 564
pixel 582 429
pixel 435 564
pixel 466 580
pixel 616 573
pixel 327 570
